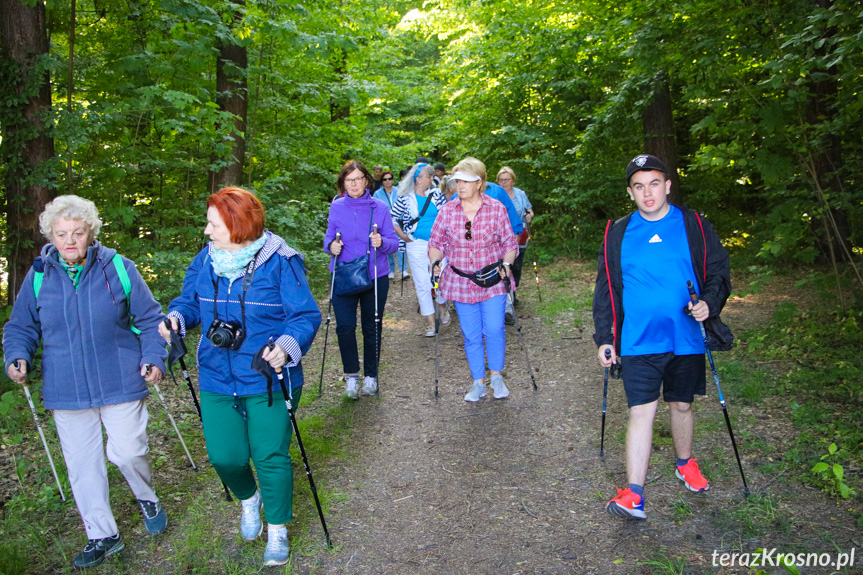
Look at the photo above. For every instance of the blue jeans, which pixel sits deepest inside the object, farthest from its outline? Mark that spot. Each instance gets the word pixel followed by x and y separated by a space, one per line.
pixel 483 320
pixel 403 265
pixel 345 310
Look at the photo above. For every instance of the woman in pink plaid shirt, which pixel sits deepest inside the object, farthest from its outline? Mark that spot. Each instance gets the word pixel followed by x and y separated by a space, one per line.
pixel 473 232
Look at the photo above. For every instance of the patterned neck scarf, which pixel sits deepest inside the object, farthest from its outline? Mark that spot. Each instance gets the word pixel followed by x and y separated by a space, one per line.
pixel 73 270
pixel 232 264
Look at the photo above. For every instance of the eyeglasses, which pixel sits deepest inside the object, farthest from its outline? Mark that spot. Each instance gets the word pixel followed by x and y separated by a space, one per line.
pixel 352 180
pixel 467 234
pixel 388 179
pixel 504 179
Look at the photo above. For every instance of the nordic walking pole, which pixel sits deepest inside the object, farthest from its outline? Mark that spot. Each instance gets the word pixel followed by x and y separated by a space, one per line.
pixel 329 308
pixel 506 282
pixel 287 393
pixel 403 269
pixel 604 402
pixel 434 282
pixel 191 387
pixel 694 297
pixel 171 419
pixel 535 272
pixel 41 434
pixel 377 323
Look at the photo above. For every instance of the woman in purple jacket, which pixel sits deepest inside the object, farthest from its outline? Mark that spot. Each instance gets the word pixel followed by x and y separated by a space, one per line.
pixel 353 217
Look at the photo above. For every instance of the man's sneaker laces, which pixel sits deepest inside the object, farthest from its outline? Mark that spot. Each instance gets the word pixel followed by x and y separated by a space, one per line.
pixel 691 476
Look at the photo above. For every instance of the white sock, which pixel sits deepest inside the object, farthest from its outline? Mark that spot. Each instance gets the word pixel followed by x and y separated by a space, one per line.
pixel 277 529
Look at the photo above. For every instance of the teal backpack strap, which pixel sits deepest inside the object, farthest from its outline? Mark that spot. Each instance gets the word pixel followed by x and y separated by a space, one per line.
pixel 127 287
pixel 37 283
pixel 38 276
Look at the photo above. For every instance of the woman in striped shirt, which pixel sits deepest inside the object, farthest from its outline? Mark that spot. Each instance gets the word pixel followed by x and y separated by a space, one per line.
pixel 414 213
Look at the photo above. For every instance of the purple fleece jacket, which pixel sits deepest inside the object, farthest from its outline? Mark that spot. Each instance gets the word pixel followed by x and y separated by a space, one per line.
pixel 350 216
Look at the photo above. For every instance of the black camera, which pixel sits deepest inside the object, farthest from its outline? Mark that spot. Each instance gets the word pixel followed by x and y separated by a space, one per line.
pixel 226 334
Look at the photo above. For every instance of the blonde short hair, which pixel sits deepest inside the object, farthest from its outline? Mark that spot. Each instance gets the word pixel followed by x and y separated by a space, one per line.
pixel 70 208
pixel 506 170
pixel 472 167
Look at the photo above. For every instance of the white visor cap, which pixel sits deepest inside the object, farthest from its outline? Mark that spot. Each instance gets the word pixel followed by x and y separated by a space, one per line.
pixel 465 177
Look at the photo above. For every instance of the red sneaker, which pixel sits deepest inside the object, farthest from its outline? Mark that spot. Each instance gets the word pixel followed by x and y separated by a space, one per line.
pixel 627 504
pixel 691 476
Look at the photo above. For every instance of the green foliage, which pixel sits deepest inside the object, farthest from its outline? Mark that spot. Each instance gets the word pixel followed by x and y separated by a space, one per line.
pixel 817 370
pixel 832 475
pixel 664 565
pixel 682 509
pixel 557 94
pixel 758 515
pixel 13 559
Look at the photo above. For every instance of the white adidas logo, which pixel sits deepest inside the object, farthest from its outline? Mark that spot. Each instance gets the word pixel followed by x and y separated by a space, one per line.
pixel 655 239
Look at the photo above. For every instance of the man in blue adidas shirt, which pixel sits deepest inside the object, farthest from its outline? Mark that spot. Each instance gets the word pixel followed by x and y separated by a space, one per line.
pixel 654 252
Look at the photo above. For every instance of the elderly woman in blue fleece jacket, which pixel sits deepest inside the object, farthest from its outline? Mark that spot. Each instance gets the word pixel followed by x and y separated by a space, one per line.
pixel 95 367
pixel 250 278
pixel 353 216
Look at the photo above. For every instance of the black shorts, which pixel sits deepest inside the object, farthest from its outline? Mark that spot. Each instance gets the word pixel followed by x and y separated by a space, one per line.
pixel 681 377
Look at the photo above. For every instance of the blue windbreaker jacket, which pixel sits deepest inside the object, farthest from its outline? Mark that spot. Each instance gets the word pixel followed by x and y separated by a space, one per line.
pixel 278 304
pixel 91 357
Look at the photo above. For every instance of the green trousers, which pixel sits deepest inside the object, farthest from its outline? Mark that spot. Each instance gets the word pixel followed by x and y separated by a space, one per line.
pixel 238 429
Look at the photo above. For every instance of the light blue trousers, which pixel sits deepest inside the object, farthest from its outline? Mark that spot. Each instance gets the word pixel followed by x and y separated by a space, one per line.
pixel 483 320
pixel 403 264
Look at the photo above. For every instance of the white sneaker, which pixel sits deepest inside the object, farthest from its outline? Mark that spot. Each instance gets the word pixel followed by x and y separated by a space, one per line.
pixel 370 386
pixel 500 390
pixel 351 384
pixel 430 331
pixel 392 276
pixel 278 551
pixel 477 392
pixel 406 276
pixel 250 525
pixel 446 318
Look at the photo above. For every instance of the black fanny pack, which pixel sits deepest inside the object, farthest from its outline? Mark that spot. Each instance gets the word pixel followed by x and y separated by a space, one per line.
pixel 485 278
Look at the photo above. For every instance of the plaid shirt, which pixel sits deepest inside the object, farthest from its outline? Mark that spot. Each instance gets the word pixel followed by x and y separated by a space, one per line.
pixel 491 238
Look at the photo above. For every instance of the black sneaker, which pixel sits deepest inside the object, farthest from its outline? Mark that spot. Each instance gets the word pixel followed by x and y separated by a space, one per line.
pixel 96 551
pixel 509 319
pixel 155 519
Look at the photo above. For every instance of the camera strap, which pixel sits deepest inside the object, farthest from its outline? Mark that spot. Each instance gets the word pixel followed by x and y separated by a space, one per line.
pixel 248 275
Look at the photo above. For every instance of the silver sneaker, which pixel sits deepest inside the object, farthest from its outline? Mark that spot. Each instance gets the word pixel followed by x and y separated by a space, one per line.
pixel 500 390
pixel 278 551
pixel 370 386
pixel 250 525
pixel 352 382
pixel 476 392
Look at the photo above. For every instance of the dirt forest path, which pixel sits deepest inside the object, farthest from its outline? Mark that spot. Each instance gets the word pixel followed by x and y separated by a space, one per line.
pixel 516 486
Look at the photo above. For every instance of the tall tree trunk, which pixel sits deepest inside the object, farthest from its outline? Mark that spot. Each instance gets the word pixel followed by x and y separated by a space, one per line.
pixel 659 137
pixel 26 149
pixel 70 88
pixel 339 109
pixel 232 96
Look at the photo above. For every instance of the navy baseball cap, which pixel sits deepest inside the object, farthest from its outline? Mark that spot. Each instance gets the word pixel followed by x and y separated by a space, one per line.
pixel 644 162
